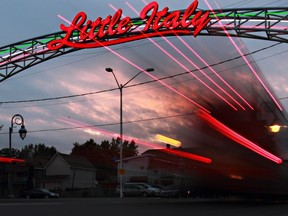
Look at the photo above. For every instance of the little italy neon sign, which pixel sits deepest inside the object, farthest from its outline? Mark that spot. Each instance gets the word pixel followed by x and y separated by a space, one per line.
pixel 91 34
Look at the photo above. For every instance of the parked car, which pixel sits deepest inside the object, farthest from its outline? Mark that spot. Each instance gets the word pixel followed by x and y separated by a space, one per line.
pixel 168 192
pixel 151 188
pixel 138 189
pixel 40 193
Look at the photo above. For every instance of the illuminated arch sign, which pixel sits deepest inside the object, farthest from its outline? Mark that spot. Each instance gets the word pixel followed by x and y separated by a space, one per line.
pixel 83 33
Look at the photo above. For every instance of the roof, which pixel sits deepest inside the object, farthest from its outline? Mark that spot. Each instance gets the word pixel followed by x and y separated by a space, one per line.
pixel 76 161
pixel 156 158
pixel 40 162
pixel 136 157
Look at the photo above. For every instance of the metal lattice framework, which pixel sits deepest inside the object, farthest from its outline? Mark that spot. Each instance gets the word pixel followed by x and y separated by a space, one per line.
pixel 256 23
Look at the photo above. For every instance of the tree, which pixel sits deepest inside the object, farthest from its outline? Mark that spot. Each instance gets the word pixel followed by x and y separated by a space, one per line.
pixel 33 151
pixel 130 149
pixel 87 149
pixel 105 155
pixel 5 152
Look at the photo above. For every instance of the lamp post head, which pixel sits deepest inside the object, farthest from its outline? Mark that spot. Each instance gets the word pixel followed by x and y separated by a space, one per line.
pixel 275 127
pixel 109 70
pixel 22 132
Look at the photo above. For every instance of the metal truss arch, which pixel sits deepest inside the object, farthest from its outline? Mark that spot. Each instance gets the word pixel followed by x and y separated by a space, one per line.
pixel 255 23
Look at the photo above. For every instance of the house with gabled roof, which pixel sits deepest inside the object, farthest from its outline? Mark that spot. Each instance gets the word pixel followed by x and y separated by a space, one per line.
pixel 153 167
pixel 69 172
pixel 161 167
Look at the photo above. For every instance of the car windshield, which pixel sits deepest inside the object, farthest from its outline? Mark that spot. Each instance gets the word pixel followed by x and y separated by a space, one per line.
pixel 44 190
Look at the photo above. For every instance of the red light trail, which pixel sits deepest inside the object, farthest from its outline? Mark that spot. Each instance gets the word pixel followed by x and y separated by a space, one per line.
pixel 98 131
pixel 228 132
pixel 188 155
pixel 11 160
pixel 141 69
pixel 231 134
pixel 199 57
pixel 184 67
pixel 245 59
pixel 207 65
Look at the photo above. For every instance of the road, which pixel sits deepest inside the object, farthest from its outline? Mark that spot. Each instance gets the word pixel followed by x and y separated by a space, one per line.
pixel 140 207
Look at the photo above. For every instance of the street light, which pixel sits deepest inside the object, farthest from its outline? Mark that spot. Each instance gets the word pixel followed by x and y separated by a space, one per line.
pixel 276 126
pixel 120 86
pixel 18 120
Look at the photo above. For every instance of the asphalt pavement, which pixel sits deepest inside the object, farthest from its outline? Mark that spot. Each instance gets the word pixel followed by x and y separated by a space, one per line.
pixel 140 207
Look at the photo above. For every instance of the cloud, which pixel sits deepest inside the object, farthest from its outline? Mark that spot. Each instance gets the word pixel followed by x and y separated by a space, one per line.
pixel 84 71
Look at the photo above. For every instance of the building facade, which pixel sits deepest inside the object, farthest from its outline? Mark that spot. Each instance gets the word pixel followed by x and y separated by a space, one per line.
pixel 69 172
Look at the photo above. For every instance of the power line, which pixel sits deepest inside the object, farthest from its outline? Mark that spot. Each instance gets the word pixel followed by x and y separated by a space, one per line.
pixel 283 98
pixel 273 3
pixel 80 101
pixel 239 3
pixel 57 98
pixel 110 124
pixel 163 78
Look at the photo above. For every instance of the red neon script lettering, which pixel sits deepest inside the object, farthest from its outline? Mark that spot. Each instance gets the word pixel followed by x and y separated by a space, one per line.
pixel 91 32
pixel 174 20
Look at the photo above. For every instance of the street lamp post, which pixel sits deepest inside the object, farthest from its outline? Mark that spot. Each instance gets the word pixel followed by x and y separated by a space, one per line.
pixel 18 120
pixel 120 86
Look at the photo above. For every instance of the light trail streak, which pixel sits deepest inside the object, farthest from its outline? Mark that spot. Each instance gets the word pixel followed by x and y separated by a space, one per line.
pixel 167 140
pixel 245 59
pixel 97 131
pixel 207 65
pixel 228 132
pixel 142 69
pixel 88 129
pixel 183 66
pixel 188 155
pixel 11 160
pixel 199 57
pixel 204 74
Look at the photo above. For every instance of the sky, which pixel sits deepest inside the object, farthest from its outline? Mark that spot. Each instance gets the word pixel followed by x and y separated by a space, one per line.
pixel 150 109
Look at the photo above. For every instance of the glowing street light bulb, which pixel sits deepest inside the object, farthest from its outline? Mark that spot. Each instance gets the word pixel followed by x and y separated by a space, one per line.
pixel 274 128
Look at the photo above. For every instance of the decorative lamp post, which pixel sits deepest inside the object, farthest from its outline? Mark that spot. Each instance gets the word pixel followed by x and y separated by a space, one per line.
pixel 120 86
pixel 18 120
